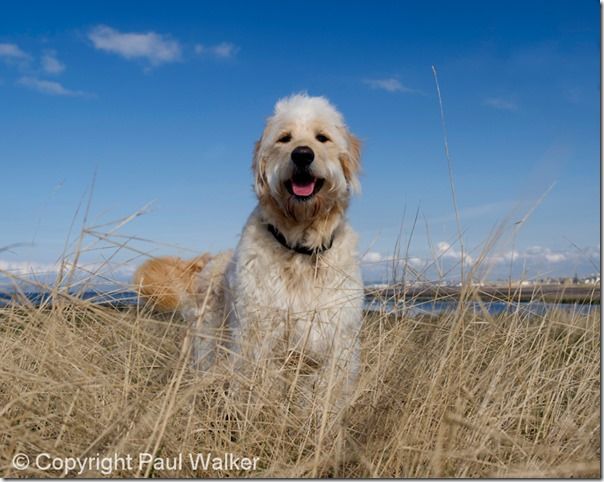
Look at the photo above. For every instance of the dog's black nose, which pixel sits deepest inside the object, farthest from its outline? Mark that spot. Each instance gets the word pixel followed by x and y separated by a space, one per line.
pixel 302 156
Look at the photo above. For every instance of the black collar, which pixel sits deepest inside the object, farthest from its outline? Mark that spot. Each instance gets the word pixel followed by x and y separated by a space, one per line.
pixel 299 248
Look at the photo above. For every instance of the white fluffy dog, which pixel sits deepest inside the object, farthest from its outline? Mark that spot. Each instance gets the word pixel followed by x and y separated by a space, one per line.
pixel 292 290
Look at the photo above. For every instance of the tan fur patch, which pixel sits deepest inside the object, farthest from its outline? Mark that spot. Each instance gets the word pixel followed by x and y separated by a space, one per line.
pixel 258 168
pixel 166 281
pixel 351 162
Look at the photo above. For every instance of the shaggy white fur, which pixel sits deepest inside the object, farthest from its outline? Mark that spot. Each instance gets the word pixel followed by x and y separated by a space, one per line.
pixel 267 303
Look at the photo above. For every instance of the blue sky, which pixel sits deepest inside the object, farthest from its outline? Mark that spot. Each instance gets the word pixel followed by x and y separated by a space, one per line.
pixel 164 102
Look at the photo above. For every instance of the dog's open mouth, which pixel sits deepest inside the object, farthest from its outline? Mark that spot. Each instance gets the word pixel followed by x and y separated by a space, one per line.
pixel 303 187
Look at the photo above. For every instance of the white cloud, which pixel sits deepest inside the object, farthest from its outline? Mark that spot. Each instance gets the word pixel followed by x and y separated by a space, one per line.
pixel 224 50
pixel 155 48
pixel 538 255
pixel 51 64
pixel 12 52
pixel 372 257
pixel 443 247
pixel 501 103
pixel 445 250
pixel 49 87
pixel 534 261
pixel 389 85
pixel 554 257
pixel 547 254
pixel 533 254
pixel 375 257
pixel 31 268
pixel 24 268
pixel 416 262
pixel 505 257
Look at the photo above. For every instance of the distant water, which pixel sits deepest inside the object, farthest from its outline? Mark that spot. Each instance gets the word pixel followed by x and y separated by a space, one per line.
pixel 112 298
pixel 412 308
pixel 492 307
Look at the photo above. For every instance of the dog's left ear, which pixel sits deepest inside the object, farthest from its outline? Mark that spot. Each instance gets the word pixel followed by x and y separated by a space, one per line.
pixel 259 169
pixel 351 163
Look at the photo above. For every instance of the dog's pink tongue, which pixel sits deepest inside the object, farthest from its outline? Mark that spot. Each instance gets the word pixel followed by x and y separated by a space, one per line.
pixel 303 189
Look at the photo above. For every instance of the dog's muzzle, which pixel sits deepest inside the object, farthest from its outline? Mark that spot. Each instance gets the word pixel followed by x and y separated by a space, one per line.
pixel 303 185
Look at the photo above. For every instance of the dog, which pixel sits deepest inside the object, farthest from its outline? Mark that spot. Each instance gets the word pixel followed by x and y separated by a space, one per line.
pixel 291 292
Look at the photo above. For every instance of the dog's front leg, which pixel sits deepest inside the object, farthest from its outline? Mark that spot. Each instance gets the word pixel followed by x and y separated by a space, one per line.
pixel 338 379
pixel 205 333
pixel 206 313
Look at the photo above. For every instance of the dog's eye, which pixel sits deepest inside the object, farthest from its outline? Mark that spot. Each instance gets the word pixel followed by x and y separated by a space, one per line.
pixel 322 138
pixel 285 139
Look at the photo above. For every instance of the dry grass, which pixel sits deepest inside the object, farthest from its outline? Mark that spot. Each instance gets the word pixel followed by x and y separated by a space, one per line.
pixel 459 395
pixel 463 394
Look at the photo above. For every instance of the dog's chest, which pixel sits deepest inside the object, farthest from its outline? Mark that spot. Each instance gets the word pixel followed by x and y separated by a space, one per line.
pixel 296 299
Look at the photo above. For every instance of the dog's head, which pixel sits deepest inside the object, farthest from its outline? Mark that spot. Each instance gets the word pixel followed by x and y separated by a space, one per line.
pixel 307 161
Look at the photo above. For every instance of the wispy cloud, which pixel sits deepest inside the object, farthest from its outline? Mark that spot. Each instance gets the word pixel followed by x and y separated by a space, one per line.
pixel 51 64
pixel 535 254
pixel 34 268
pixel 376 258
pixel 150 46
pixel 24 268
pixel 372 257
pixel 49 87
pixel 447 251
pixel 390 84
pixel 12 52
pixel 534 261
pixel 501 103
pixel 223 50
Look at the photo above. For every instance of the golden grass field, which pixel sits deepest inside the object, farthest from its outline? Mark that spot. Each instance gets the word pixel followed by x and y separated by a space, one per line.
pixel 463 394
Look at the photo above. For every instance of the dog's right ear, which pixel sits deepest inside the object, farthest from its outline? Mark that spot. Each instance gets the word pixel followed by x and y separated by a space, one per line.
pixel 259 169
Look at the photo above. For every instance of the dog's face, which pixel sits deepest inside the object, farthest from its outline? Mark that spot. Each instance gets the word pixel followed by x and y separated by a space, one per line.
pixel 306 161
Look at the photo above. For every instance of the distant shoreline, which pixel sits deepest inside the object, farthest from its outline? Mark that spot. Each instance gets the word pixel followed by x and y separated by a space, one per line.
pixel 537 293
pixel 545 293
